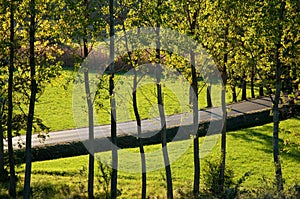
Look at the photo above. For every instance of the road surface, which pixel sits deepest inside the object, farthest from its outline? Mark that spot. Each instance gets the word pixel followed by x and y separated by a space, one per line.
pixel 149 127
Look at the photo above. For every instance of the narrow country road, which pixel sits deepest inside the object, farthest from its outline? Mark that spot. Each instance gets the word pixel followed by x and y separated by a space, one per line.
pixel 149 127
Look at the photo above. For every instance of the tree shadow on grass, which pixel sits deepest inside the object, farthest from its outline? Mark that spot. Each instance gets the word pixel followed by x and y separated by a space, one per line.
pixel 54 173
pixel 260 136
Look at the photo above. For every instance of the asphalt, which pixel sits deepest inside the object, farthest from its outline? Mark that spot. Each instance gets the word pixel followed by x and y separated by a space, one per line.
pixel 149 127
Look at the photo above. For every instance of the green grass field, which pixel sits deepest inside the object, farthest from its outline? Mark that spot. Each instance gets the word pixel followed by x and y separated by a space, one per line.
pixel 248 150
pixel 55 106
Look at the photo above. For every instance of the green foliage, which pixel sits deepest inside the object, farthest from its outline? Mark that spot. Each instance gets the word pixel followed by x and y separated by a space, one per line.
pixel 250 34
pixel 211 176
pixel 268 190
pixel 103 177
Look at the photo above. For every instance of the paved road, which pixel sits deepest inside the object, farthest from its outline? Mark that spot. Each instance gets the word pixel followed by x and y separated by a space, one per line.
pixel 149 127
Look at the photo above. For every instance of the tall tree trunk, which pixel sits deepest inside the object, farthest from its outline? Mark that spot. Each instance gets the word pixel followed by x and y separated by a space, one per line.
pixel 261 90
pixel 91 126
pixel 289 86
pixel 234 96
pixel 137 115
pixel 277 163
pixel 138 120
pixel 139 129
pixel 12 179
pixel 162 115
pixel 194 96
pixel 114 175
pixel 223 99
pixel 2 170
pixel 208 96
pixel 33 90
pixel 252 80
pixel 244 88
pixel 89 102
pixel 223 140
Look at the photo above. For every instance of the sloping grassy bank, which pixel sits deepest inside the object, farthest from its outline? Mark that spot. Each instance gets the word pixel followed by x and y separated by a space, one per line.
pixel 248 150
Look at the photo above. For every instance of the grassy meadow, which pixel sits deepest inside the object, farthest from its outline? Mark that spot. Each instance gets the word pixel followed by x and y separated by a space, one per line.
pixel 55 106
pixel 248 150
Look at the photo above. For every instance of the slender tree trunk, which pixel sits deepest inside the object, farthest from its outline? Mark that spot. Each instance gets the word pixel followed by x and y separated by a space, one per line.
pixel 289 86
pixel 277 163
pixel 234 96
pixel 138 120
pixel 139 129
pixel 252 81
pixel 223 99
pixel 261 90
pixel 2 170
pixel 33 90
pixel 12 179
pixel 137 117
pixel 162 115
pixel 283 87
pixel 194 96
pixel 208 96
pixel 91 126
pixel 114 176
pixel 223 141
pixel 244 88
pixel 90 111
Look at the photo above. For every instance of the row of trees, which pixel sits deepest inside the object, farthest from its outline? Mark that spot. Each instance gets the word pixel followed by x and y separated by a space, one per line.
pixel 28 62
pixel 252 42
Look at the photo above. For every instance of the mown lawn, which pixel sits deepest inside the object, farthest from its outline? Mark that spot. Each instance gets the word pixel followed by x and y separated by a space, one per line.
pixel 247 150
pixel 55 106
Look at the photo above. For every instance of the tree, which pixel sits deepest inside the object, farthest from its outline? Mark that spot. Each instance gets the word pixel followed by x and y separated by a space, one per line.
pixel 90 109
pixel 32 30
pixel 3 95
pixel 190 10
pixel 3 174
pixel 3 105
pixel 137 117
pixel 84 21
pixel 278 73
pixel 277 31
pixel 12 181
pixel 14 83
pixel 140 139
pixel 216 31
pixel 38 69
pixel 91 128
pixel 133 63
pixel 158 73
pixel 114 175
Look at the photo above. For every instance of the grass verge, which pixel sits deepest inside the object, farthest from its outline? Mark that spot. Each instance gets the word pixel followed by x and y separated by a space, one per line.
pixel 248 150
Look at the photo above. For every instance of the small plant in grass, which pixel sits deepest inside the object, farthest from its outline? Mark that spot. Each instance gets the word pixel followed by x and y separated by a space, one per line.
pixel 234 192
pixel 43 189
pixel 104 178
pixel 268 190
pixel 163 180
pixel 212 184
pixel 211 176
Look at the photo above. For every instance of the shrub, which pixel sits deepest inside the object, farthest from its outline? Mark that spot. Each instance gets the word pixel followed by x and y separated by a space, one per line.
pixel 268 190
pixel 104 178
pixel 211 176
